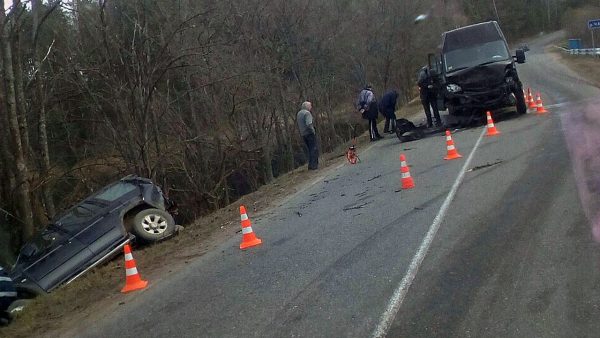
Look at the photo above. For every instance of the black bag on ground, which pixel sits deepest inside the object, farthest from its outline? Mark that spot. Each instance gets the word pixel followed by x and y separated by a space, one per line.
pixel 407 131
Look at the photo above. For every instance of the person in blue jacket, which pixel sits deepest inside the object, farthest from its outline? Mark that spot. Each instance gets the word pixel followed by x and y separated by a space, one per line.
pixel 367 106
pixel 387 108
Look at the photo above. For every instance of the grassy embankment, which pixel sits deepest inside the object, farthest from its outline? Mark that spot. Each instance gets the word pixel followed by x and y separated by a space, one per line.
pixel 585 65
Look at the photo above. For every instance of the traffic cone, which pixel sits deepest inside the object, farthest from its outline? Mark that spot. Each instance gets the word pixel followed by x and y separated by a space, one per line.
pixel 406 180
pixel 133 280
pixel 540 106
pixel 452 152
pixel 351 154
pixel 491 128
pixel 249 239
pixel 530 101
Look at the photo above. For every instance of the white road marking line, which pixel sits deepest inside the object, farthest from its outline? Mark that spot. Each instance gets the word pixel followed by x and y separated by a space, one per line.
pixel 400 292
pixel 556 105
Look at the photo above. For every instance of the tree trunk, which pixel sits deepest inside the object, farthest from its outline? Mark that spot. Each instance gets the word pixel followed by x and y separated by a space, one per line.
pixel 289 149
pixel 6 172
pixel 20 93
pixel 22 171
pixel 42 130
pixel 266 160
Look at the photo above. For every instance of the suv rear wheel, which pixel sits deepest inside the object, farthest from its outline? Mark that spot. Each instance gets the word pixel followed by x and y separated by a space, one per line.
pixel 152 225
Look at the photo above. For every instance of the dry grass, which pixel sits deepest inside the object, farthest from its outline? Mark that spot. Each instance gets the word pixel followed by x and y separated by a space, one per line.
pixel 586 66
pixel 412 110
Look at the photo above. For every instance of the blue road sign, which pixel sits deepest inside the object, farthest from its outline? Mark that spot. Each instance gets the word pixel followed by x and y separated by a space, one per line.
pixel 594 24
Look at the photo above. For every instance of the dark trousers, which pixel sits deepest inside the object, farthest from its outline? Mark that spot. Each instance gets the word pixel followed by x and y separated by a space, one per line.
pixel 430 99
pixel 4 318
pixel 373 132
pixel 313 152
pixel 390 123
pixel 4 304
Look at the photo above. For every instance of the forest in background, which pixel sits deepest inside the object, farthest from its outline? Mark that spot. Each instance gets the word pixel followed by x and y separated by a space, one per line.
pixel 200 95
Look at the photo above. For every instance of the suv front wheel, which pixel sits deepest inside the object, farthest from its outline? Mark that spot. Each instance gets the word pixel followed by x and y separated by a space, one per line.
pixel 152 225
pixel 521 104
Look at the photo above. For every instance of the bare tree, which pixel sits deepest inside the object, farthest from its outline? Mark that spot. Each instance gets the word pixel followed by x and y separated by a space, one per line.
pixel 21 168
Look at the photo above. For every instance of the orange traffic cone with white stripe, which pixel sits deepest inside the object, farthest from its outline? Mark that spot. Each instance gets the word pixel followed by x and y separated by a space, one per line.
pixel 530 101
pixel 406 180
pixel 249 239
pixel 491 128
pixel 452 152
pixel 540 106
pixel 133 280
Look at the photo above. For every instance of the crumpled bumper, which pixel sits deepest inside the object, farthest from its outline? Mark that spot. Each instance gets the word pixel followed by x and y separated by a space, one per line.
pixel 480 99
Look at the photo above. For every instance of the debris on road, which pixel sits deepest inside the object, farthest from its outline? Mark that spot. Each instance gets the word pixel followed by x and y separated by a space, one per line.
pixel 484 166
pixel 356 207
pixel 373 178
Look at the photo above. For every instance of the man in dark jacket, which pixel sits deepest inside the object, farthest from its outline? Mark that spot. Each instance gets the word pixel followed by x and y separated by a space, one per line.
pixel 367 106
pixel 428 93
pixel 8 295
pixel 387 108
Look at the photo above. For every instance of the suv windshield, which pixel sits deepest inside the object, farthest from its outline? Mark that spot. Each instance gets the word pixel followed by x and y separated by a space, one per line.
pixel 475 55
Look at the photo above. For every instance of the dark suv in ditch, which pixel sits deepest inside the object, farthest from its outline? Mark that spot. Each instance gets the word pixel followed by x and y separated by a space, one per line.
pixel 91 232
pixel 477 73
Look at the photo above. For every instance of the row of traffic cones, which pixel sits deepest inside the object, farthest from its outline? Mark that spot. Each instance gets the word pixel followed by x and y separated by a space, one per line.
pixel 536 104
pixel 133 279
pixel 407 181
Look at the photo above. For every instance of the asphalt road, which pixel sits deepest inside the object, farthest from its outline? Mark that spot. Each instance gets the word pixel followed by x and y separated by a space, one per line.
pixel 513 256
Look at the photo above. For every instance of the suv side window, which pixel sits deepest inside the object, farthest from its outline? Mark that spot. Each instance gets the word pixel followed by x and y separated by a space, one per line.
pixel 116 191
pixel 79 214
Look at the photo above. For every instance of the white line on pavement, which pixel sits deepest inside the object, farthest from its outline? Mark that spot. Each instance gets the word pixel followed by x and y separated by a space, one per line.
pixel 556 105
pixel 400 292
